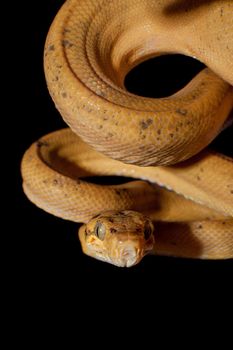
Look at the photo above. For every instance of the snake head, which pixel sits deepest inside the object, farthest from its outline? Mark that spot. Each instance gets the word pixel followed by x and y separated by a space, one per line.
pixel 120 238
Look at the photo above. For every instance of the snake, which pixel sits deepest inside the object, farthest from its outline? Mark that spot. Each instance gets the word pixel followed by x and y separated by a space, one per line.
pixel 180 200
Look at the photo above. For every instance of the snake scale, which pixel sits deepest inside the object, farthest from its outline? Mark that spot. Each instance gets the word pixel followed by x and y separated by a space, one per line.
pixel 181 201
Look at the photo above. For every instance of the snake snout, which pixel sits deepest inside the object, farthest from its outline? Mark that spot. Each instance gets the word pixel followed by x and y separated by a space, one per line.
pixel 129 252
pixel 129 256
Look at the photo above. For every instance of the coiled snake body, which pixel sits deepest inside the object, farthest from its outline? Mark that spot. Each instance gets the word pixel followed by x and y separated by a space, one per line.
pixel 185 190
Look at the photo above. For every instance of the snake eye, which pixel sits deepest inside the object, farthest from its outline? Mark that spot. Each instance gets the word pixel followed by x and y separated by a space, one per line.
pixel 100 231
pixel 148 230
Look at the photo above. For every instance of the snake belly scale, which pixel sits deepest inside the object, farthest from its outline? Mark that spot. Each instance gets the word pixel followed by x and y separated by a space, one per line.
pixel 182 201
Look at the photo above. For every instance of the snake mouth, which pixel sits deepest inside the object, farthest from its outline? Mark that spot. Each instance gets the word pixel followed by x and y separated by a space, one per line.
pixel 128 249
pixel 129 257
pixel 130 252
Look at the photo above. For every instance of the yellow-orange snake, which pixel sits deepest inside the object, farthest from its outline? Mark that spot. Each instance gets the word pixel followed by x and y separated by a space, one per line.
pixel 185 189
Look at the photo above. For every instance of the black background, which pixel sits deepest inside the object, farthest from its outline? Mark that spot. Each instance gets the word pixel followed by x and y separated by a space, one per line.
pixel 48 251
